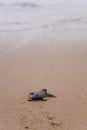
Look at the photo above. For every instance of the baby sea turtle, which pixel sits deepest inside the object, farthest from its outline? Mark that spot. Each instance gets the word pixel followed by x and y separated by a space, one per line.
pixel 40 95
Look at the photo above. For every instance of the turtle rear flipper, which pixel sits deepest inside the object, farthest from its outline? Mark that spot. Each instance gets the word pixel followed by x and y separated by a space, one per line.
pixel 50 95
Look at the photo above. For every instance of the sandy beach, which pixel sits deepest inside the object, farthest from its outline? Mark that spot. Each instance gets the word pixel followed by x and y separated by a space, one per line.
pixel 59 67
pixel 43 45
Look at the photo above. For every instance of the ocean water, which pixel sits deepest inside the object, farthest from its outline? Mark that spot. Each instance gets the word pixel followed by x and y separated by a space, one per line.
pixel 26 20
pixel 26 15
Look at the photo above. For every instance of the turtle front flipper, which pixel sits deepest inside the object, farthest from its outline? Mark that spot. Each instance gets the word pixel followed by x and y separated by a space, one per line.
pixel 50 95
pixel 30 97
pixel 30 100
pixel 32 93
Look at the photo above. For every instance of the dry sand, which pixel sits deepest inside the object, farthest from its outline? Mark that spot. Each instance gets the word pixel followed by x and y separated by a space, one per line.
pixel 61 67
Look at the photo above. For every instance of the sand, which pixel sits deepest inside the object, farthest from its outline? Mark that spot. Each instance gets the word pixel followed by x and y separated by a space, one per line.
pixel 59 66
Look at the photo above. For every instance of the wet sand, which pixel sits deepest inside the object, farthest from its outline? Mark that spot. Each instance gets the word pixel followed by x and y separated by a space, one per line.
pixel 59 66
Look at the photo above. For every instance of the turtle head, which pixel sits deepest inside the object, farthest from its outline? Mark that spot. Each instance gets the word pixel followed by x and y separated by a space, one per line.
pixel 45 90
